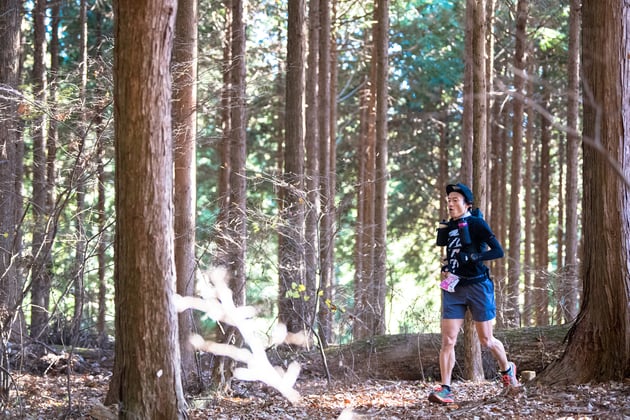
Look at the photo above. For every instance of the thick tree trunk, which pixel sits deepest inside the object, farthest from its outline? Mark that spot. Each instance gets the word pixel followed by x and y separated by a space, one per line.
pixel 603 323
pixel 415 356
pixel 146 381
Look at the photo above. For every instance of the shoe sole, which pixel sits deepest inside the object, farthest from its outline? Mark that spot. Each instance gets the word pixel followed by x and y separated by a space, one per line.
pixel 435 399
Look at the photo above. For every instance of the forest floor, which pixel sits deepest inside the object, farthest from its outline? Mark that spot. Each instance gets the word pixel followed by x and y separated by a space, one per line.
pixel 56 394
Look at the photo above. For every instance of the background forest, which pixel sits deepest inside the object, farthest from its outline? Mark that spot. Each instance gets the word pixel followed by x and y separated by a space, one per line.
pixel 302 146
pixel 66 126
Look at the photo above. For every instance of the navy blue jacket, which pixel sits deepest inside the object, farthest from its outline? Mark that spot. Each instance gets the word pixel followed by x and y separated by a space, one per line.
pixel 484 246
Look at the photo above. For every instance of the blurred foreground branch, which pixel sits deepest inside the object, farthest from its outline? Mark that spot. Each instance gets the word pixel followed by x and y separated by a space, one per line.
pixel 218 304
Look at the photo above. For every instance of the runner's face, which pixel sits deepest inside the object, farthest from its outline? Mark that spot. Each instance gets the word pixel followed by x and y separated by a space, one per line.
pixel 456 205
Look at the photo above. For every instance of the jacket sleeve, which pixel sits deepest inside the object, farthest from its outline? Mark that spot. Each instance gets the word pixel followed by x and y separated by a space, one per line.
pixel 494 250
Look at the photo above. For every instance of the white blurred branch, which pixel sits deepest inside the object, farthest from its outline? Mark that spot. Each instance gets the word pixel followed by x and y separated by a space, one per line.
pixel 218 304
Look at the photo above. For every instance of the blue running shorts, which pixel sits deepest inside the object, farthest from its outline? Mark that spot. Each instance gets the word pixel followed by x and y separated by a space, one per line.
pixel 479 297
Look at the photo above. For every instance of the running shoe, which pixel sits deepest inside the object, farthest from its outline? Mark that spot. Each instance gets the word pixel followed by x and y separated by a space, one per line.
pixel 509 377
pixel 441 395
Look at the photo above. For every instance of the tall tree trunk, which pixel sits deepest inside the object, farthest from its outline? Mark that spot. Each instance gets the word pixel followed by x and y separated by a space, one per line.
pixel 480 105
pixel 184 68
pixel 326 311
pixel 495 213
pixel 468 133
pixel 514 252
pixel 292 308
pixel 361 235
pixel 381 43
pixel 490 99
pixel 443 178
pixel 40 275
pixel 236 231
pixel 238 156
pixel 474 145
pixel 78 270
pixel 365 224
pixel 569 291
pixel 557 317
pixel 541 281
pixel 312 175
pixel 100 205
pixel 602 326
pixel 146 381
pixel 326 167
pixel 530 186
pixel 500 210
pixel 223 187
pixel 10 286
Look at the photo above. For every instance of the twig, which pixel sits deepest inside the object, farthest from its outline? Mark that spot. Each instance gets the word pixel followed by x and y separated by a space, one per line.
pixel 17 390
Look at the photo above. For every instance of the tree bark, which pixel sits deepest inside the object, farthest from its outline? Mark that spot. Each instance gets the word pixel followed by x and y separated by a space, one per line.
pixel 292 303
pixel 78 181
pixel 326 311
pixel 541 279
pixel 531 186
pixel 363 263
pixel 100 205
pixel 500 211
pixel 474 141
pixel 480 105
pixel 490 96
pixel 568 301
pixel 364 310
pixel 184 68
pixel 40 274
pixel 312 150
pixel 10 285
pixel 236 229
pixel 603 323
pixel 237 218
pixel 327 174
pixel 468 133
pixel 514 250
pixel 223 187
pixel 381 43
pixel 146 381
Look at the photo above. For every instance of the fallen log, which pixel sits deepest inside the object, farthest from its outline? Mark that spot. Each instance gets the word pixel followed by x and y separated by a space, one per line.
pixel 415 356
